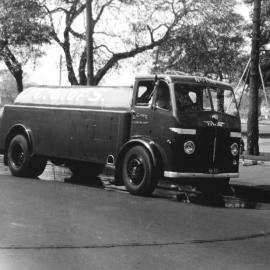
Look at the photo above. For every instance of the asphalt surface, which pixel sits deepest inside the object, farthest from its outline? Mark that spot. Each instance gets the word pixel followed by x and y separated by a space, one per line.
pixel 55 224
pixel 59 225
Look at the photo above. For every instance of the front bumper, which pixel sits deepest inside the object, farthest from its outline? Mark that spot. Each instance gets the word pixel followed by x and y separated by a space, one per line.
pixel 170 174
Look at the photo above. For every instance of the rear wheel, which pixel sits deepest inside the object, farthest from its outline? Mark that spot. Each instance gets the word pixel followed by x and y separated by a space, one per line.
pixel 18 156
pixel 137 172
pixel 20 161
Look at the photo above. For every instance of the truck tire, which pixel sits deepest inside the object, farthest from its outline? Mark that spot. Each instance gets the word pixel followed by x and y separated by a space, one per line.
pixel 137 172
pixel 18 156
pixel 19 160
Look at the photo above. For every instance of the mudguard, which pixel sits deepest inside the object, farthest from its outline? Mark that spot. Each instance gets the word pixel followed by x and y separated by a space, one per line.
pixel 14 130
pixel 152 149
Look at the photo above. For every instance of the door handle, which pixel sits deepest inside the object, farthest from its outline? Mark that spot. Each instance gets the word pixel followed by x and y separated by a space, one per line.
pixel 133 114
pixel 153 107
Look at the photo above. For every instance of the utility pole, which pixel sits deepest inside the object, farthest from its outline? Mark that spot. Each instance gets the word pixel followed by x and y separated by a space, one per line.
pixel 60 70
pixel 254 82
pixel 89 43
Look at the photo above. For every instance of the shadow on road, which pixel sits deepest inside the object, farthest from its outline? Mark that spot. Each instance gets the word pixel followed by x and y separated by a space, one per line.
pixel 254 196
pixel 228 196
pixel 95 181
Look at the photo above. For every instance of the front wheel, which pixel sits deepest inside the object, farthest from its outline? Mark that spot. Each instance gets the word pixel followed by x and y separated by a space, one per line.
pixel 138 172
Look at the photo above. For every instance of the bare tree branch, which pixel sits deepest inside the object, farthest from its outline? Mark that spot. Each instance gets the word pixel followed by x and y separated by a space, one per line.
pixel 101 12
pixel 178 9
pixel 77 35
pixel 3 43
pixel 56 10
pixel 151 33
pixel 53 32
pixel 78 12
pixel 119 56
pixel 104 46
pixel 107 34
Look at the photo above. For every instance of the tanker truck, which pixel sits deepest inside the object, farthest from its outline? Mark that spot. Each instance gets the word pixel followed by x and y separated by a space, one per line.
pixel 178 127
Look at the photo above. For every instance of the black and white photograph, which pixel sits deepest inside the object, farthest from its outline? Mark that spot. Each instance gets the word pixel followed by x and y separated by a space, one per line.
pixel 134 134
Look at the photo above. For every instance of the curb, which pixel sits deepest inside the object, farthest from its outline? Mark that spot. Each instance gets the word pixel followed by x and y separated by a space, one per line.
pixel 261 135
pixel 251 162
pixel 248 160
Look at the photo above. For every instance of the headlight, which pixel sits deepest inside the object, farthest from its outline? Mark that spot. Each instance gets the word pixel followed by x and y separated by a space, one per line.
pixel 234 149
pixel 189 147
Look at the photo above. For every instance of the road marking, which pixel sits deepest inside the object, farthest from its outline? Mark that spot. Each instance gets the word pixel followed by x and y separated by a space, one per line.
pixel 140 244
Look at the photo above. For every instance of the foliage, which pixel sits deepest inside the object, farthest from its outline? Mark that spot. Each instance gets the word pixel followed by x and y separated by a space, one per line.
pixel 22 31
pixel 265 22
pixel 210 46
pixel 21 23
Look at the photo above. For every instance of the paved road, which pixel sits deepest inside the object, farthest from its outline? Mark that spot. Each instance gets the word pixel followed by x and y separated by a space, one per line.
pixel 56 225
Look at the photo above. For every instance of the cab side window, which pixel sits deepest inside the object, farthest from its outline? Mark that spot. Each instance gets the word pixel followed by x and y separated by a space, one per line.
pixel 163 100
pixel 145 93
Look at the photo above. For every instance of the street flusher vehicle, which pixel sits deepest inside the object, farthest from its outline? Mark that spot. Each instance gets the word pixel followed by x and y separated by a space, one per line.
pixel 180 127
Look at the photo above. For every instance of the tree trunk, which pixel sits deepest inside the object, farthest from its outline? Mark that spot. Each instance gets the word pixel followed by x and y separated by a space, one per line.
pixel 14 67
pixel 18 75
pixel 71 74
pixel 89 43
pixel 82 65
pixel 252 124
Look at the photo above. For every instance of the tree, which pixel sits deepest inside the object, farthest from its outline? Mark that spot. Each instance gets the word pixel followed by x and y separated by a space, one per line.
pixel 21 30
pixel 265 22
pixel 8 90
pixel 140 27
pixel 252 124
pixel 210 45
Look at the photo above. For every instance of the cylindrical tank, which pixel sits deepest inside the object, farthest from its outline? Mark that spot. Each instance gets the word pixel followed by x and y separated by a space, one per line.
pixel 86 97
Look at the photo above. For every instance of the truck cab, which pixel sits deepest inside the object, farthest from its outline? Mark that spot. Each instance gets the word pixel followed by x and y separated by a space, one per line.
pixel 190 125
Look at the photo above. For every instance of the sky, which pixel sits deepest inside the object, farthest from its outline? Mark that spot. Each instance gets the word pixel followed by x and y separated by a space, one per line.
pixel 46 71
pixel 244 10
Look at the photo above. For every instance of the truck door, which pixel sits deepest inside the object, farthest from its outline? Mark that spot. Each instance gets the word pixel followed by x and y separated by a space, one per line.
pixel 162 116
pixel 142 110
pixel 152 115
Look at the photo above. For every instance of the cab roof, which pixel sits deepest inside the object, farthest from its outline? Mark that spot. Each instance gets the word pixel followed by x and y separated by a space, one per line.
pixel 171 78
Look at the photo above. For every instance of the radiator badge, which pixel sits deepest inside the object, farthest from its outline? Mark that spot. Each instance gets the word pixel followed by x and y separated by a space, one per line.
pixel 214 122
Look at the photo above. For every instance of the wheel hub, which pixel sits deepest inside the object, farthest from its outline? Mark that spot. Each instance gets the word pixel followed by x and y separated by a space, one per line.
pixel 135 171
pixel 18 156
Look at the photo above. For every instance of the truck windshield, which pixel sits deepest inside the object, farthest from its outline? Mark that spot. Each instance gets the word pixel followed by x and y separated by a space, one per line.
pixel 190 98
